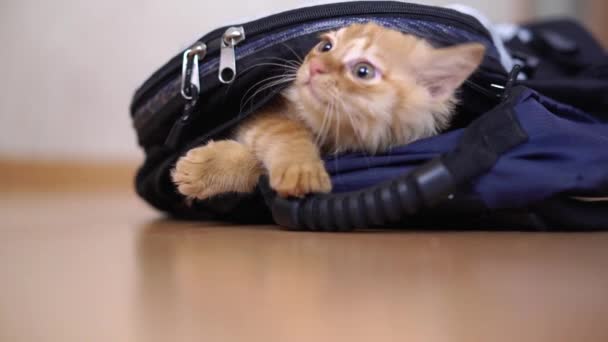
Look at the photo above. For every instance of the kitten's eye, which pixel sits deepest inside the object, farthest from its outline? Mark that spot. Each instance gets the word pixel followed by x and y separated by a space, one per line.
pixel 364 71
pixel 325 46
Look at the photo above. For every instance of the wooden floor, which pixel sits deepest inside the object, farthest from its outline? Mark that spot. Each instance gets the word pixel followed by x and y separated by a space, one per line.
pixel 101 266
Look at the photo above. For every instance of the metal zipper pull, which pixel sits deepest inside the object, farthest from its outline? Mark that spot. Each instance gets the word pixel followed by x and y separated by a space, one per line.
pixel 190 75
pixel 230 39
pixel 190 89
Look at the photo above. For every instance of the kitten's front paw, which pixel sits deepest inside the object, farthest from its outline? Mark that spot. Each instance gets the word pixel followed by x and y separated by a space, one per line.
pixel 218 167
pixel 299 179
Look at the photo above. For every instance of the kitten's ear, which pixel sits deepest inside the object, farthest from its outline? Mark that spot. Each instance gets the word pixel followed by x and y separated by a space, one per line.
pixel 443 70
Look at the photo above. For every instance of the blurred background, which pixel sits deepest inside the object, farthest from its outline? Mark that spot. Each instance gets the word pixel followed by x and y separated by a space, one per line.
pixel 70 67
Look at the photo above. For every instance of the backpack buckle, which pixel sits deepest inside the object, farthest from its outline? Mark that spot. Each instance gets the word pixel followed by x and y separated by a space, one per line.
pixel 506 89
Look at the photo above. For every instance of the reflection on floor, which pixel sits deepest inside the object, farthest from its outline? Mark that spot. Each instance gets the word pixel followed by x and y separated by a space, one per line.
pixel 104 267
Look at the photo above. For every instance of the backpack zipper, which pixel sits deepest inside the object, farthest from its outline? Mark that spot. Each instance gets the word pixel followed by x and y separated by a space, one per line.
pixel 215 40
pixel 227 69
pixel 190 73
pixel 190 90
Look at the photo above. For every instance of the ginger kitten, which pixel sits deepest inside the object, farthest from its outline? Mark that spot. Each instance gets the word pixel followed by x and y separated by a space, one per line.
pixel 362 88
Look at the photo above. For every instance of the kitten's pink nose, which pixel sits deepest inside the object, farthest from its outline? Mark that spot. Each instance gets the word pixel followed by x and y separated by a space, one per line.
pixel 316 66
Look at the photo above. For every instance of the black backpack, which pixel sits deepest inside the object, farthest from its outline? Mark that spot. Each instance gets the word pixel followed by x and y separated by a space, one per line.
pixel 522 153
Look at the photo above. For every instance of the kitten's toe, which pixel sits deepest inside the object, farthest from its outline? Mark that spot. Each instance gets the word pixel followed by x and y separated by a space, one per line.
pixel 324 185
pixel 300 179
pixel 191 178
pixel 218 167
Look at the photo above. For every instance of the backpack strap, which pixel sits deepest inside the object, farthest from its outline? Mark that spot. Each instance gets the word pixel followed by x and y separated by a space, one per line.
pixel 482 143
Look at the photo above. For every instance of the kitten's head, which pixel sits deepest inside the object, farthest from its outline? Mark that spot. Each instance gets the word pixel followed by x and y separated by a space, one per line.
pixel 366 87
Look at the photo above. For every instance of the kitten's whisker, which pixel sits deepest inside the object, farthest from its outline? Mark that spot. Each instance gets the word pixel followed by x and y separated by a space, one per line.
pixel 289 70
pixel 244 99
pixel 337 137
pixel 266 80
pixel 270 82
pixel 287 61
pixel 323 130
pixel 334 115
pixel 286 66
pixel 318 134
pixel 327 118
pixel 336 112
pixel 293 51
pixel 265 87
pixel 358 135
pixel 330 113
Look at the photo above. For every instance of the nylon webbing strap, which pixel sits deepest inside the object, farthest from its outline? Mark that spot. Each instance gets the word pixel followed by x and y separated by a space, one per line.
pixel 485 139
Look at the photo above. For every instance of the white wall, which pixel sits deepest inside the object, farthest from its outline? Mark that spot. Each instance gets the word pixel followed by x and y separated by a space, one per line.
pixel 69 67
